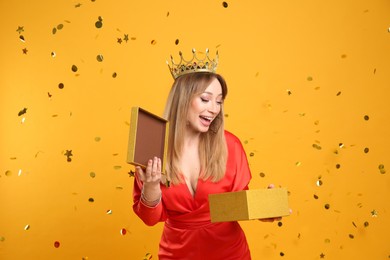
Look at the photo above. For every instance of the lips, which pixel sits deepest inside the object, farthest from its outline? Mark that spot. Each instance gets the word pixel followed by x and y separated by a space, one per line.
pixel 206 120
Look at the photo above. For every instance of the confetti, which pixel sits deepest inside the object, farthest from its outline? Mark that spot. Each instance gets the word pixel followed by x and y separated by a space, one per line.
pixel 92 174
pixel 374 213
pixel 27 227
pixel 148 256
pixel 262 174
pixel 126 37
pixel 56 244
pixel 20 29
pixel 280 224
pixel 21 37
pixel 281 254
pixel 289 92
pixel 22 112
pixel 2 239
pixel 153 42
pixel 60 26
pixel 99 23
pixel 225 4
pixel 327 206
pixel 68 154
pixel 53 54
pixel 117 167
pixel 114 75
pixel 322 255
pixel 338 166
pixel 61 85
pixel 252 154
pixel 351 236
pixel 366 150
pixel 177 41
pixel 327 241
pixel 99 58
pixel 109 212
pixel 97 139
pixel 74 68
pixel 366 224
pixel 316 146
pixel 343 56
pixel 315 196
pixel 24 50
pixel 77 5
pixel 123 231
pixel 309 78
pixel 8 173
pixel 381 168
pixel 91 200
pixel 298 164
pixel 119 40
pixel 366 117
pixel 319 183
pixel 338 93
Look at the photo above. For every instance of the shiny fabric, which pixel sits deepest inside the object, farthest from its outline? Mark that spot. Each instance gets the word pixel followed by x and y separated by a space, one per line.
pixel 188 232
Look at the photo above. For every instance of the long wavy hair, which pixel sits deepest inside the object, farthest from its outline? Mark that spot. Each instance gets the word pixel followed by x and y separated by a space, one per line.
pixel 212 144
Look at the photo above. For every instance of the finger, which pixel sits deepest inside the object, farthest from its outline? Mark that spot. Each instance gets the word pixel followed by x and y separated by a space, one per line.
pixel 159 166
pixel 154 167
pixel 271 186
pixel 140 173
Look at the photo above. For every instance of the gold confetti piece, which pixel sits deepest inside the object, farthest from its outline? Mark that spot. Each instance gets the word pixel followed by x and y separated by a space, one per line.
pixel 53 54
pixel 225 4
pixel 92 174
pixel 252 154
pixel 114 75
pixel 22 112
pixel 99 23
pixel 319 183
pixel 366 150
pixel 315 196
pixel 381 168
pixel 27 227
pixel 119 187
pixel 153 42
pixel 8 173
pixel 54 30
pixel 119 40
pixel 148 256
pixel 374 213
pixel 327 206
pixel 20 29
pixel 167 14
pixel 317 146
pixel 298 164
pixel 99 58
pixel 309 78
pixel 61 85
pixel 109 212
pixel 343 56
pixel 322 255
pixel 289 92
pixel 60 26
pixel 21 37
pixel 24 50
pixel 351 236
pixel 177 41
pixel 20 172
pixel 57 244
pixel 338 93
pixel 117 167
pixel 338 166
pixel 353 223
pixel 97 139
pixel 366 117
pixel 74 68
pixel 77 6
pixel 366 224
pixel 262 174
pixel 91 200
pixel 281 254
pixel 327 241
pixel 302 114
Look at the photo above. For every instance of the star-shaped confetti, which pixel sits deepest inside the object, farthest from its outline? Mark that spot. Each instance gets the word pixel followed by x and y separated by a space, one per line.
pixel 126 37
pixel 119 40
pixel 24 50
pixel 322 255
pixel 374 213
pixel 68 154
pixel 20 29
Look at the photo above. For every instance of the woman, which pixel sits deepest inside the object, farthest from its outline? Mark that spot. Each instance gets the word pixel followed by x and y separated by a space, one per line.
pixel 203 159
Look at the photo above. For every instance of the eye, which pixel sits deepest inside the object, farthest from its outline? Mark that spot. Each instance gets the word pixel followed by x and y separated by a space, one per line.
pixel 205 100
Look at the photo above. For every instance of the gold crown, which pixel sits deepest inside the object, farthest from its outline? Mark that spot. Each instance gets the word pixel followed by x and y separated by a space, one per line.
pixel 193 65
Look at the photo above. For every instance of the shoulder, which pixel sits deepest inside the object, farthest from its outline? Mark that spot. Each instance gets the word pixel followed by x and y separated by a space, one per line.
pixel 231 139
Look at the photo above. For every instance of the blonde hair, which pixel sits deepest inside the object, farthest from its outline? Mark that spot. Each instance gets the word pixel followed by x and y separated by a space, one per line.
pixel 212 144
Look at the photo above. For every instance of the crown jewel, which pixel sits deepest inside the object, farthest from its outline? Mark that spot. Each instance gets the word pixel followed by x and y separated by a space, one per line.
pixel 195 64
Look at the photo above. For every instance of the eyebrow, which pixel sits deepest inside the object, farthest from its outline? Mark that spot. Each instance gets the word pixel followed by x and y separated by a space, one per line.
pixel 212 93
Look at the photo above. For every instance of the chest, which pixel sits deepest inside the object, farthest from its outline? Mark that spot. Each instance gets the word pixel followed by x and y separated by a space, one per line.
pixel 190 167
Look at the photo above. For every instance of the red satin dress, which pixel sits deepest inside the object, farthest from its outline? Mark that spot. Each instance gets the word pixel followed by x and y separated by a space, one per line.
pixel 188 233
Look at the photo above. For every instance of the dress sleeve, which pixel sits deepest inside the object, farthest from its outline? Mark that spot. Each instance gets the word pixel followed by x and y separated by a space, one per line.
pixel 149 215
pixel 238 160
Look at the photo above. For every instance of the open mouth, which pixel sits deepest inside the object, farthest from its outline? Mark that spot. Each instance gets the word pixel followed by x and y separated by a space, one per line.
pixel 206 120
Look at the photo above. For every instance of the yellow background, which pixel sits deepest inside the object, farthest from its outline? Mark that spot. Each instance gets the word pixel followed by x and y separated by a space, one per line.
pixel 302 76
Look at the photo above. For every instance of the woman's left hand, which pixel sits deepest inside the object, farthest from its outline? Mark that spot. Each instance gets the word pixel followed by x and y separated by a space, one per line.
pixel 271 186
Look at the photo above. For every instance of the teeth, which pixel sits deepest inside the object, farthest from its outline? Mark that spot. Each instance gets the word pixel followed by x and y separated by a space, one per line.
pixel 207 118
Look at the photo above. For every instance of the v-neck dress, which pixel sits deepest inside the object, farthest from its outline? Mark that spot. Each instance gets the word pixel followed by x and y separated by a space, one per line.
pixel 188 233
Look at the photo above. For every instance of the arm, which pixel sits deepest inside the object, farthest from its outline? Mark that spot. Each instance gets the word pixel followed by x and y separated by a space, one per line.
pixel 147 193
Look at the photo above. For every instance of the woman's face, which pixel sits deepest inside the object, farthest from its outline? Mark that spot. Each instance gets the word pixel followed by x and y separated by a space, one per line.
pixel 205 107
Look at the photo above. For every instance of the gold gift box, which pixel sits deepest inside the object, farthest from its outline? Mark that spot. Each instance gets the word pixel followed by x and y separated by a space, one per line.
pixel 249 204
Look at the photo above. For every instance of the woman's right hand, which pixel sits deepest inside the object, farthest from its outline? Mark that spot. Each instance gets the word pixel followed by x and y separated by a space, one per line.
pixel 151 178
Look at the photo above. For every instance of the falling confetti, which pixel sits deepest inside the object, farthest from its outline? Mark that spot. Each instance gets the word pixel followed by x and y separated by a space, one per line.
pixel 99 23
pixel 374 213
pixel 20 29
pixel 109 212
pixel 289 92
pixel 381 168
pixel 117 167
pixel 225 4
pixel 177 41
pixel 114 75
pixel 91 200
pixel 21 37
pixel 68 154
pixel 309 78
pixel 24 50
pixel 366 150
pixel 123 231
pixel 2 239
pixel 56 244
pixel 148 256
pixel 8 173
pixel 126 38
pixel 27 227
pixel 327 206
pixel 61 85
pixel 99 58
pixel 119 40
pixel 92 174
pixel 153 42
pixel 22 112
pixel 262 174
pixel 317 146
pixel 60 26
pixel 366 117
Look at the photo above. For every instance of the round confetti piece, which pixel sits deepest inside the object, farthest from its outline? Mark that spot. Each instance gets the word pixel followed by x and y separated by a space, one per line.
pixel 123 231
pixel 309 78
pixel 262 174
pixel 315 196
pixel 8 173
pixel 60 26
pixel 252 154
pixel 281 254
pixel 327 240
pixel 366 150
pixel 177 41
pixel 21 37
pixel 99 58
pixel 99 23
pixel 153 42
pixel 54 30
pixel 91 200
pixel 338 166
pixel 327 206
pixel 27 227
pixel 366 117
pixel 56 244
pixel 225 4
pixel 97 139
pixel 74 68
pixel 366 224
pixel 280 224
pixel 319 183
pixel 114 75
pixel 351 236
pixel 92 174
pixel 61 85
pixel 2 239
